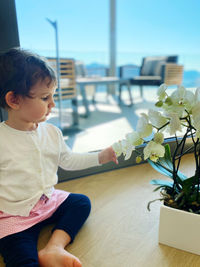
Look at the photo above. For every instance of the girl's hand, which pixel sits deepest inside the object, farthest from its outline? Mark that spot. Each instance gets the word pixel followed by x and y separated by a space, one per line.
pixel 107 155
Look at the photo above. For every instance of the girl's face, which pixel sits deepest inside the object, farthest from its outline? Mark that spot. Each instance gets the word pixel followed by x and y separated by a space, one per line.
pixel 37 108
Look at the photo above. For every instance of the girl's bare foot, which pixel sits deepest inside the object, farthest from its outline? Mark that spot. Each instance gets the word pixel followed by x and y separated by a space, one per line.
pixel 57 257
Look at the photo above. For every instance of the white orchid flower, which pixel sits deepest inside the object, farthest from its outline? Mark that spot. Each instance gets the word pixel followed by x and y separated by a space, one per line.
pixel 183 98
pixel 174 108
pixel 198 134
pixel 134 138
pixel 157 119
pixel 127 148
pixel 161 92
pixel 158 137
pixel 144 128
pixel 197 95
pixel 124 146
pixel 196 117
pixel 175 123
pixel 117 147
pixel 153 151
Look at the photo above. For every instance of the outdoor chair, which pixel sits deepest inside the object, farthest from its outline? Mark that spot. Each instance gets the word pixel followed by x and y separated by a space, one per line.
pixel 88 83
pixel 157 70
pixel 80 69
pixel 67 83
pixel 81 72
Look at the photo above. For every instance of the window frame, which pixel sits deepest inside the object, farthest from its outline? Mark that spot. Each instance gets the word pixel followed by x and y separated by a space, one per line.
pixel 64 175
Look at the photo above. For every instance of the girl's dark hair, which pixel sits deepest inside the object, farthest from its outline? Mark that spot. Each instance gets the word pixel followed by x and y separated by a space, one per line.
pixel 20 70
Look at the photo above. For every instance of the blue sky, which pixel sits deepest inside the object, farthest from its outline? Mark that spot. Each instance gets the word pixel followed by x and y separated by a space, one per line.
pixel 144 27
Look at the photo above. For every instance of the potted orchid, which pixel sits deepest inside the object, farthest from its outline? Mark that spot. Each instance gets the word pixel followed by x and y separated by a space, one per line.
pixel 177 114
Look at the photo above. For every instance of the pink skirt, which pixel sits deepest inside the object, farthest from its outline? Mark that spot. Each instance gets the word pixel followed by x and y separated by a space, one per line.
pixel 44 208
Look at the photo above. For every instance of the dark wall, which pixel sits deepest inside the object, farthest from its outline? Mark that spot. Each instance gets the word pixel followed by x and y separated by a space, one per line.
pixel 9 36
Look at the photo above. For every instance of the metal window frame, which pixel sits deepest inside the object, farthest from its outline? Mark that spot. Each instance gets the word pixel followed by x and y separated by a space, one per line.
pixel 64 175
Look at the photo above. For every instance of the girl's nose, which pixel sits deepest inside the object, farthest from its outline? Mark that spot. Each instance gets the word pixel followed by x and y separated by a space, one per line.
pixel 52 103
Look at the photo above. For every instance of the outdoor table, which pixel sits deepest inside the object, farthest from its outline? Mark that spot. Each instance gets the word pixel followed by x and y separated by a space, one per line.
pixel 83 81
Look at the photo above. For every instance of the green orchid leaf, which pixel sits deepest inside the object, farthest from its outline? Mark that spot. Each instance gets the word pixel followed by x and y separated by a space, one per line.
pixel 159 168
pixel 167 159
pixel 168 153
pixel 192 198
pixel 158 188
pixel 182 176
pixel 189 183
pixel 179 196
pixel 162 183
pixel 164 166
pixel 167 162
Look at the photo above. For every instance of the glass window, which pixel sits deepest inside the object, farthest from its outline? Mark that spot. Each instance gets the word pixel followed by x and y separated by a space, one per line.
pixel 143 29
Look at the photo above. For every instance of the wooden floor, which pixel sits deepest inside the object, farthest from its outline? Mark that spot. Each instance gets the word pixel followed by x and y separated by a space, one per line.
pixel 120 231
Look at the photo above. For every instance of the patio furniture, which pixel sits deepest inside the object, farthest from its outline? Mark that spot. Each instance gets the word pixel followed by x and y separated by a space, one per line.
pixel 80 69
pixel 67 83
pixel 81 72
pixel 85 81
pixel 157 70
pixel 88 84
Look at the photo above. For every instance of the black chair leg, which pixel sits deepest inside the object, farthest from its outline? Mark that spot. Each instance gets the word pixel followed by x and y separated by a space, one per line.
pixel 130 95
pixel 75 111
pixel 141 91
pixel 120 92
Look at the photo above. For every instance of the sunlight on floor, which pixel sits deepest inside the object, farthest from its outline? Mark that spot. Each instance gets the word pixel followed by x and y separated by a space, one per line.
pixel 108 108
pixel 101 136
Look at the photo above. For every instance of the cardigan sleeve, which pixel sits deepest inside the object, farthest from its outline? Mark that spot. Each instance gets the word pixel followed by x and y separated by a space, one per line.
pixel 70 160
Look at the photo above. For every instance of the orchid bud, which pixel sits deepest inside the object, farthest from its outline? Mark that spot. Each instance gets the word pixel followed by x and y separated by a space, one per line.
pixel 138 159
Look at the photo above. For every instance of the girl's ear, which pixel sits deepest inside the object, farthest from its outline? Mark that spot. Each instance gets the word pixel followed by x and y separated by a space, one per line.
pixel 12 100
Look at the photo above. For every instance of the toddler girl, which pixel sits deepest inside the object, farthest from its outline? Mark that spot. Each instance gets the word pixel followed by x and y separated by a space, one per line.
pixel 31 151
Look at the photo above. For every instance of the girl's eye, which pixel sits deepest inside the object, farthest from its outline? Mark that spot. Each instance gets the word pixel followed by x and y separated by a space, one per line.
pixel 45 98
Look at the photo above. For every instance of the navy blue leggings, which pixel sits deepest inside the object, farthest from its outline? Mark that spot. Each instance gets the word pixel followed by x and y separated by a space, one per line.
pixel 20 249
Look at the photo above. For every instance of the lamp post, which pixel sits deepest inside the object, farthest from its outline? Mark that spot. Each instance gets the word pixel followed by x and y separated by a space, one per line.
pixel 112 43
pixel 54 24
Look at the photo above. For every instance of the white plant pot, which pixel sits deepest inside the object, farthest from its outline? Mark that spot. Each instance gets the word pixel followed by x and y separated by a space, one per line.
pixel 179 229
